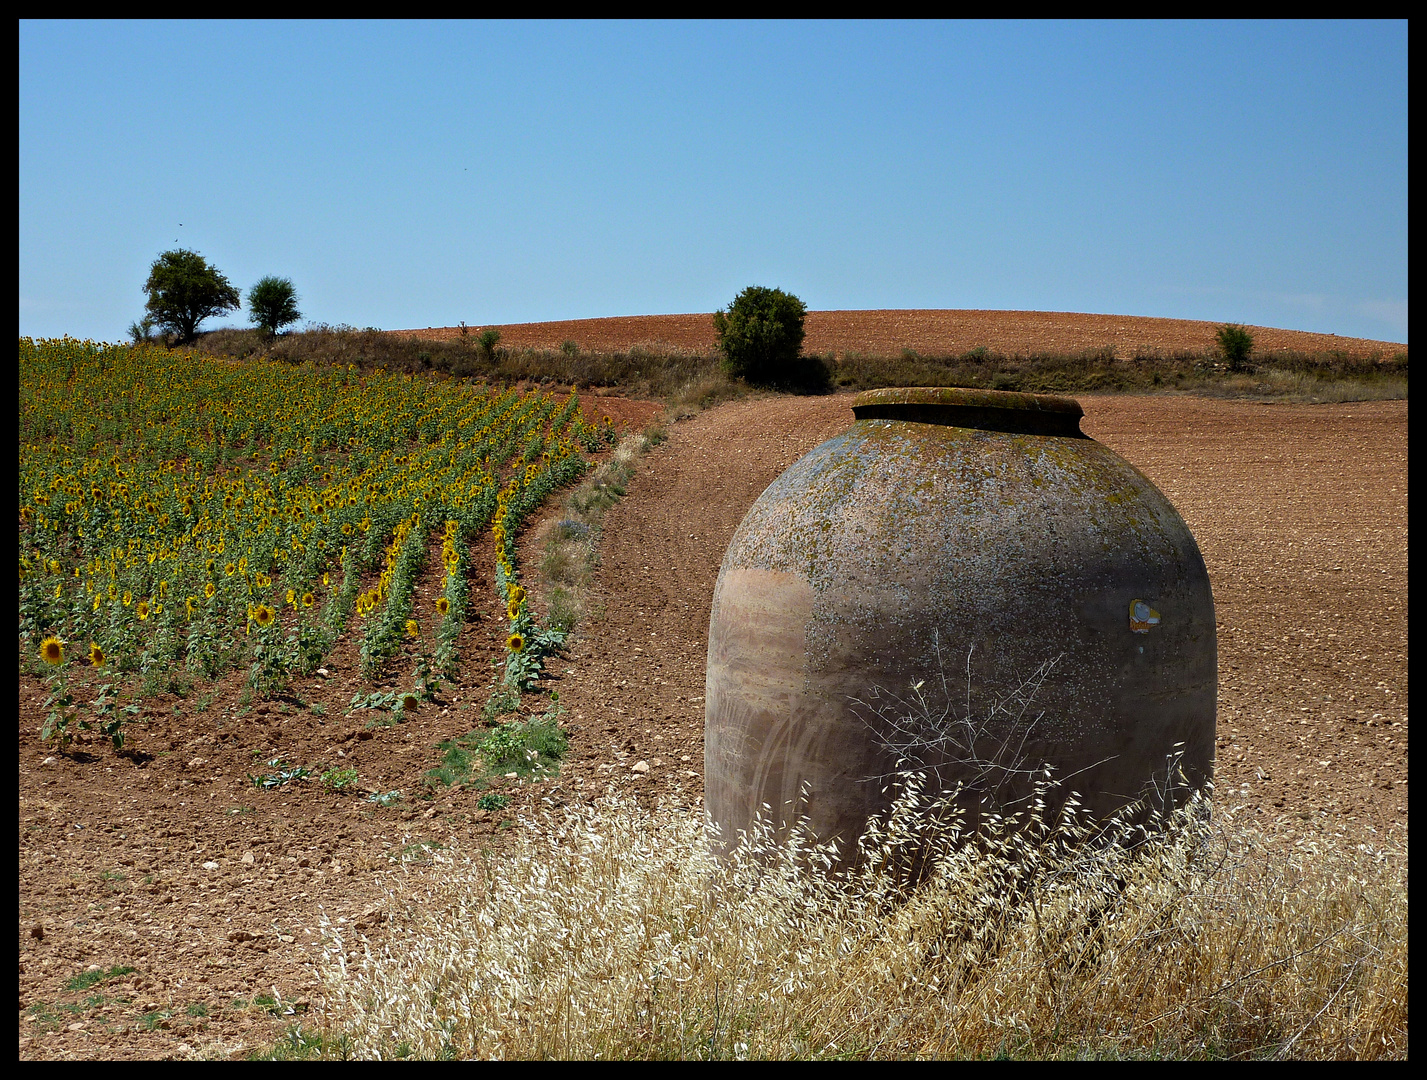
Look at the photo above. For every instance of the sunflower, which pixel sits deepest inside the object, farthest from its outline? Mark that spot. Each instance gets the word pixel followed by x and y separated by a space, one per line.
pixel 513 609
pixel 209 590
pixel 263 615
pixel 412 629
pixel 325 582
pixel 230 569
pixel 128 598
pixel 517 594
pixel 96 655
pixel 515 643
pixel 191 605
pixel 52 650
pixel 308 599
pixel 142 611
pixel 292 597
pixel 443 605
pixel 409 701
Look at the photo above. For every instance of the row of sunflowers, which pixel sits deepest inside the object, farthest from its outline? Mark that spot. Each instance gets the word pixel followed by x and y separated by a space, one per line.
pixel 183 510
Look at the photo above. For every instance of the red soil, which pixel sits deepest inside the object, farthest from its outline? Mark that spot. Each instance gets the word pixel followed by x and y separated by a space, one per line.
pixel 932 333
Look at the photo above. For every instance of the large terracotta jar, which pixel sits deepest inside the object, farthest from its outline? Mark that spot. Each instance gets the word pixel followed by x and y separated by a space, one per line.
pixel 967 586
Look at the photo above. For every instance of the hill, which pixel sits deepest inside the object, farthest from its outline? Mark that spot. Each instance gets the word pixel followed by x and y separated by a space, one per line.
pixel 929 333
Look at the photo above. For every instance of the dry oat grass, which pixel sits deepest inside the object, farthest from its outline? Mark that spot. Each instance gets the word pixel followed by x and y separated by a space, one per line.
pixel 613 934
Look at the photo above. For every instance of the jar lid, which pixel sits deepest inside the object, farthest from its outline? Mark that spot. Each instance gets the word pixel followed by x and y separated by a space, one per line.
pixel 989 410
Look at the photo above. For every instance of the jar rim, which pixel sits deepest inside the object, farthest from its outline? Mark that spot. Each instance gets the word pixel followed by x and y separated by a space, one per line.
pixel 968 397
pixel 967 407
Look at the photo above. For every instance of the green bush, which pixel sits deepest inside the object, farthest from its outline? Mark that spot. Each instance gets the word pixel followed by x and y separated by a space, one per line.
pixel 1236 345
pixel 761 335
pixel 272 303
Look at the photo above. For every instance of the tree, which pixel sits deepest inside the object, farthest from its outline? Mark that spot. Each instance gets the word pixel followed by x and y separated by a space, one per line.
pixel 761 335
pixel 184 290
pixel 272 304
pixel 1236 344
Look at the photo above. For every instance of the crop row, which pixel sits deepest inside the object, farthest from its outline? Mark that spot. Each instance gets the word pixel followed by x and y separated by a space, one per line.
pixel 181 509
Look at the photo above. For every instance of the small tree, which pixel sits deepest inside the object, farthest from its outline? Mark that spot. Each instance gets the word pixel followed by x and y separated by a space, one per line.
pixel 761 335
pixel 272 304
pixel 488 340
pixel 1236 344
pixel 141 331
pixel 184 290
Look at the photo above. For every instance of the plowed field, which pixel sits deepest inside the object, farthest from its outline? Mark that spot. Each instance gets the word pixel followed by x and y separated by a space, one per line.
pixel 931 333
pixel 213 891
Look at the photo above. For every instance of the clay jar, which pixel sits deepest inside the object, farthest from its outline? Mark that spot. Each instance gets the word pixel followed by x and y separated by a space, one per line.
pixel 967 586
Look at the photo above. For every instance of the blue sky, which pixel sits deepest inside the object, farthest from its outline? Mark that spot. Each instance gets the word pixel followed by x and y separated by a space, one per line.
pixel 421 174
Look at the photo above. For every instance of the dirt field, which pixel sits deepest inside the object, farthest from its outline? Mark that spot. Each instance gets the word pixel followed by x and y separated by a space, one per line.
pixel 932 333
pixel 213 891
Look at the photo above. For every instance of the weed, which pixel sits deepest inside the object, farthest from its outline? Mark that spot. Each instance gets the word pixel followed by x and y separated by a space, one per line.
pixel 298 1044
pixel 92 978
pixel 493 801
pixel 151 1021
pixel 386 798
pixel 504 700
pixel 198 1008
pixel 339 779
pixel 283 773
pixel 417 852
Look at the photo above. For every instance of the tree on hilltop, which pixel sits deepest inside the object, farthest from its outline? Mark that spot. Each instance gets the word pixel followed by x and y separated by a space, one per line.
pixel 184 290
pixel 272 304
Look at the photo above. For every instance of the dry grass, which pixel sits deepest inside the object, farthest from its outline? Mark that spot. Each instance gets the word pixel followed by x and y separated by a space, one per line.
pixel 612 933
pixel 689 380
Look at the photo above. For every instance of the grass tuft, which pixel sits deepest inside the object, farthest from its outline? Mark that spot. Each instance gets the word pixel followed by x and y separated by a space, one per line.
pixel 613 933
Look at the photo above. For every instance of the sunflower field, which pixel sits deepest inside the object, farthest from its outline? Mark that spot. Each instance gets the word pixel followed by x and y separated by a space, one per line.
pixel 178 510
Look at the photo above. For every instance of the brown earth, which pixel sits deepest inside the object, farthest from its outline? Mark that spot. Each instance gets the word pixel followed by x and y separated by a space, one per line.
pixel 213 890
pixel 931 333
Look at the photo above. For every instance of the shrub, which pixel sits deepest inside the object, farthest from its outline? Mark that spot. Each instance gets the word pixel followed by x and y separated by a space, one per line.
pixel 141 331
pixel 184 290
pixel 488 341
pixel 272 303
pixel 761 335
pixel 1236 345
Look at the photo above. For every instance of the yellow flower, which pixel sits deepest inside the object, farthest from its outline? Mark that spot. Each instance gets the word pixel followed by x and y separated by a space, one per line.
pixel 308 599
pixel 412 630
pixel 513 609
pixel 190 604
pixel 443 605
pixel 96 655
pixel 292 597
pixel 142 611
pixel 128 598
pixel 264 615
pixel 515 643
pixel 325 582
pixel 52 650
pixel 209 590
pixel 517 594
pixel 230 569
